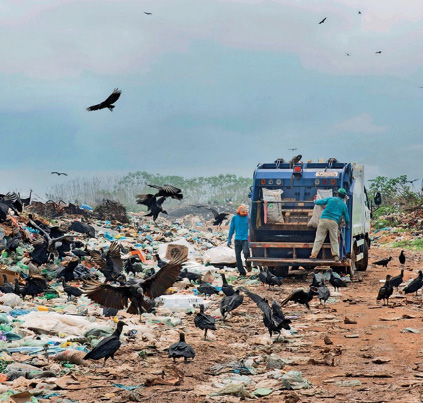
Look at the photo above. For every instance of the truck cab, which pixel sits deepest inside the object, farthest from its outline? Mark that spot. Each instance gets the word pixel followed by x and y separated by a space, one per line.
pixel 288 240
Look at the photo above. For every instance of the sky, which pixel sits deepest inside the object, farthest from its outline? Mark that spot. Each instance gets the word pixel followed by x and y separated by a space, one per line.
pixel 208 86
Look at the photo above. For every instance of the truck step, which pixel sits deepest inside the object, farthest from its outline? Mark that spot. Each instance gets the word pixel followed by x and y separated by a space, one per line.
pixel 269 261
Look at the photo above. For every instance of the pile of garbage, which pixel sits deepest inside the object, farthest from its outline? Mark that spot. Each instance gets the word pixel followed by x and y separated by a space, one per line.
pixel 109 210
pixel 399 227
pixel 52 209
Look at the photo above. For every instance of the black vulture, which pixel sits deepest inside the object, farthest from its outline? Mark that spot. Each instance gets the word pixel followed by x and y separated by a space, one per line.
pixel 107 347
pixel 301 297
pixel 321 22
pixel 181 349
pixel 385 291
pixel 415 285
pixel 168 191
pixel 159 261
pixel 133 266
pixel 34 286
pixel 71 291
pixel 108 103
pixel 273 319
pixel 401 257
pixel 397 280
pixel 195 277
pixel 271 279
pixel 336 282
pixel 218 217
pixel 228 304
pixel 59 173
pixel 204 321
pixel 207 289
pixel 82 228
pixel 112 266
pixel 67 272
pixel 134 290
pixel 153 204
pixel 227 289
pixel 383 262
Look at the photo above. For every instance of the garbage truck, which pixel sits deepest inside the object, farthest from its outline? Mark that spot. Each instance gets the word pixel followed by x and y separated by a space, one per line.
pixel 284 218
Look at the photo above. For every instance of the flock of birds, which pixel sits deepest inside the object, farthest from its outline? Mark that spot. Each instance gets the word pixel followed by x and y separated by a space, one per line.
pixel 378 52
pixel 394 282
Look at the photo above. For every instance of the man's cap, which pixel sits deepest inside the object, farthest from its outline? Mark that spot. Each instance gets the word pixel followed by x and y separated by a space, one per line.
pixel 342 191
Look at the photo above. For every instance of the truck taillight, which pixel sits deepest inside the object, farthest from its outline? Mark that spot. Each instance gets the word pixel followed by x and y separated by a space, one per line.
pixel 297 169
pixel 262 181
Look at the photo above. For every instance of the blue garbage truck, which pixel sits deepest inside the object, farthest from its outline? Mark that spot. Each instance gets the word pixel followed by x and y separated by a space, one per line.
pixel 282 231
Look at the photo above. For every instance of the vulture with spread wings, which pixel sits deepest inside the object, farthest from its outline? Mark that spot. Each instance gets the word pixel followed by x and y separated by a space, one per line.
pixel 112 265
pixel 168 191
pixel 153 204
pixel 118 297
pixel 273 319
pixel 108 103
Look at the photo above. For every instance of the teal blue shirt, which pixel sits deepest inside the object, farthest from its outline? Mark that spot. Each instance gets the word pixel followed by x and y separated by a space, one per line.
pixel 239 225
pixel 334 210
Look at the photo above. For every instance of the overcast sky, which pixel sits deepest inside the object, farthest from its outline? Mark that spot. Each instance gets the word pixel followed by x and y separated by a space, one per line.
pixel 208 86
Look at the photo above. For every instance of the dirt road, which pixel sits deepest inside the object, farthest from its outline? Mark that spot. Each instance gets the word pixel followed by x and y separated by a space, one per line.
pixel 378 359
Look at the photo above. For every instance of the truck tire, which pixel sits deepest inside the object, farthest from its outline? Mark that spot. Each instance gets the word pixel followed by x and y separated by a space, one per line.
pixel 363 263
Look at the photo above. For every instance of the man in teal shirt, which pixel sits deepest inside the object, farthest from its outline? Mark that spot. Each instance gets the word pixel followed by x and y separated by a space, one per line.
pixel 335 209
pixel 239 226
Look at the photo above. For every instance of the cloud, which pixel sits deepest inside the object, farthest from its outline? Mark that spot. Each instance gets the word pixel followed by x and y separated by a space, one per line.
pixel 360 124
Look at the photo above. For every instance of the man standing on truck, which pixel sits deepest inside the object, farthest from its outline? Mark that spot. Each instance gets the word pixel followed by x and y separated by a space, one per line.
pixel 335 209
pixel 239 226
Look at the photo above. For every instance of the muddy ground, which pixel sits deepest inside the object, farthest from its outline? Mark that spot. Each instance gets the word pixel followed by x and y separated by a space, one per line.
pixel 377 351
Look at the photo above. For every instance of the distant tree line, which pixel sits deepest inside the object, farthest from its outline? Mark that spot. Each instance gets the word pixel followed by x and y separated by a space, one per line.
pixel 212 190
pixel 397 193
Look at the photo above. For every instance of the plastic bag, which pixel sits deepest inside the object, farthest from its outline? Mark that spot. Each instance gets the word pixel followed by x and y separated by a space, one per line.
pixel 220 255
pixel 294 380
pixel 273 211
pixel 318 210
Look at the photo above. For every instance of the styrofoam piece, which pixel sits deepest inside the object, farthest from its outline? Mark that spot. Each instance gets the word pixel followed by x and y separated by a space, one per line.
pixel 176 302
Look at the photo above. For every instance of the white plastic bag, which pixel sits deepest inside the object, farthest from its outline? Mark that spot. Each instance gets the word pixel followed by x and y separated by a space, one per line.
pixel 273 210
pixel 318 210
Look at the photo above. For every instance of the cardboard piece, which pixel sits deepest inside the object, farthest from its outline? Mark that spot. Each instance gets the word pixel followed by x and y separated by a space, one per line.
pixel 11 275
pixel 22 397
pixel 177 252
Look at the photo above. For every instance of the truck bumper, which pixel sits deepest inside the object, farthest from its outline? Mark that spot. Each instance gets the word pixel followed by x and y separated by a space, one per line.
pixel 269 261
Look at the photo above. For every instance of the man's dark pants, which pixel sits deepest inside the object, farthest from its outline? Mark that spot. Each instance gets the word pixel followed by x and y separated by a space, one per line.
pixel 241 246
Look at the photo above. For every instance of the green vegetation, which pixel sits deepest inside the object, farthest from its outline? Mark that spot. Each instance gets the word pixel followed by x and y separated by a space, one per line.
pixel 414 244
pixel 397 192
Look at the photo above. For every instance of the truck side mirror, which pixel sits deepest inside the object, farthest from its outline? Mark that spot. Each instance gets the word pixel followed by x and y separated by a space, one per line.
pixel 378 199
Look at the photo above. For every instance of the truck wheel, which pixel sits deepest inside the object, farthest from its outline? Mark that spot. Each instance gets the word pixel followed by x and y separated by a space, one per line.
pixel 363 263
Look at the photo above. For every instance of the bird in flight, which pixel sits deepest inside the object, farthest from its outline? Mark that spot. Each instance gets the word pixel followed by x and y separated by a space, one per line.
pixel 347 54
pixel 146 13
pixel 292 149
pixel 379 52
pixel 108 102
pixel 321 22
pixel 59 173
pixel 359 12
